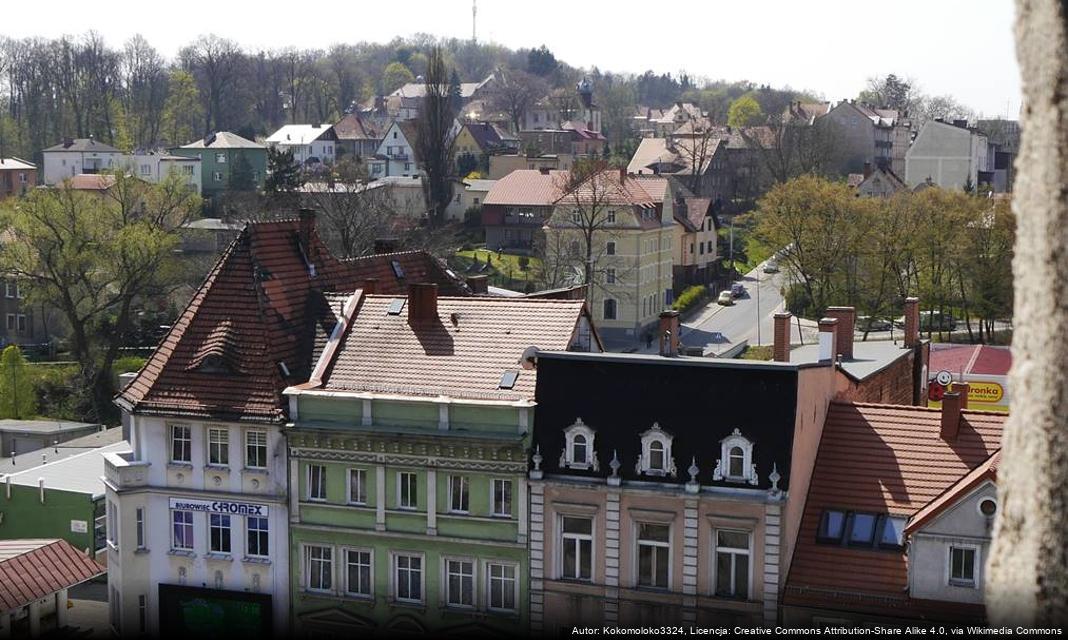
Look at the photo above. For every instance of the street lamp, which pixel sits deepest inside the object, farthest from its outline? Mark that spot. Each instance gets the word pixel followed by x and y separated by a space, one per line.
pixel 758 305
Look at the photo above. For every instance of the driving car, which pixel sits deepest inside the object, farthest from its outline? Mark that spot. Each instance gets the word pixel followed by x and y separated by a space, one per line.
pixel 725 298
pixel 771 266
pixel 738 290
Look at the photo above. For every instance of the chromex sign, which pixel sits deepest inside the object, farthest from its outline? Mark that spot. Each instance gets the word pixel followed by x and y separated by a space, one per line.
pixel 219 506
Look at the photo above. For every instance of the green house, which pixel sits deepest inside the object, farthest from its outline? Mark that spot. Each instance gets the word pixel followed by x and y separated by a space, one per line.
pixel 408 457
pixel 226 161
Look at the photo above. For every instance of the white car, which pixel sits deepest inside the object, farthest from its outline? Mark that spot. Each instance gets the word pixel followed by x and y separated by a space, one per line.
pixel 771 266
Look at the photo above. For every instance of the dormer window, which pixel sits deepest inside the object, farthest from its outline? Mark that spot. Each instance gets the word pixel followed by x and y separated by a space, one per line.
pixel 736 460
pixel 579 452
pixel 656 459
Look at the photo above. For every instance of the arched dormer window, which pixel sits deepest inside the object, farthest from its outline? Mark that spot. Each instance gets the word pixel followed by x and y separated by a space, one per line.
pixel 656 458
pixel 579 451
pixel 736 460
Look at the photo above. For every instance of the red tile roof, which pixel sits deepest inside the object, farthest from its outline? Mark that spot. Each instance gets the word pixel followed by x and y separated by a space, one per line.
pixel 463 354
pixel 353 127
pixel 986 471
pixel 261 307
pixel 527 187
pixel 34 569
pixel 879 459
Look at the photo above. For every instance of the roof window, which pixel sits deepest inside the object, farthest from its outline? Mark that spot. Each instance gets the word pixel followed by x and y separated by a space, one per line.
pixel 396 306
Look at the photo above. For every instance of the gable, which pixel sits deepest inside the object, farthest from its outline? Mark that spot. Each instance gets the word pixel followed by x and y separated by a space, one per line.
pixel 963 518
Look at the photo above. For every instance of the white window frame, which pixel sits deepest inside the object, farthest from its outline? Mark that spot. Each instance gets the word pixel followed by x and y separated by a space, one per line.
pixel 112 537
pixel 361 474
pixel 494 494
pixel 656 435
pixel 722 472
pixel 464 495
pixel 220 158
pixel 976 565
pixel 223 444
pixel 394 585
pixel 562 540
pixel 567 460
pixel 307 573
pixel 10 290
pixel 413 504
pixel 188 439
pixel 370 593
pixel 639 543
pixel 185 525
pixel 487 572
pixel 249 530
pixel 735 552
pixel 446 574
pixel 249 445
pixel 139 527
pixel 312 497
pixel 228 529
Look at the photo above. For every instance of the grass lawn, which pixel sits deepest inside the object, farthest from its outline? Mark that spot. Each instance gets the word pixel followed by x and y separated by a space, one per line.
pixel 504 268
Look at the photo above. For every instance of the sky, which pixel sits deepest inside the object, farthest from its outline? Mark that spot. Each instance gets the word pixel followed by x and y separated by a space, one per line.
pixel 830 47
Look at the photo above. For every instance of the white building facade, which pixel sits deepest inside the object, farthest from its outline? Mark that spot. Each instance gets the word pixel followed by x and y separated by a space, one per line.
pixel 75 157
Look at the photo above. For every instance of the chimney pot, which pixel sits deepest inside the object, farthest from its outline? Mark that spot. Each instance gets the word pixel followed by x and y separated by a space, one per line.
pixel 781 337
pixel 847 317
pixel 950 416
pixel 962 388
pixel 867 169
pixel 478 284
pixel 828 337
pixel 912 322
pixel 422 303
pixel 669 333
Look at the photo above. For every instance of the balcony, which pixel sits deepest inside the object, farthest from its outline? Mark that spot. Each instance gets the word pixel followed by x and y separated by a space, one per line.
pixel 122 471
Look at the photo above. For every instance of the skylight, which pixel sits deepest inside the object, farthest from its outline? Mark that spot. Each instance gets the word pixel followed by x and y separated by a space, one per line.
pixel 395 306
pixel 398 270
pixel 832 526
pixel 862 529
pixel 893 535
pixel 508 379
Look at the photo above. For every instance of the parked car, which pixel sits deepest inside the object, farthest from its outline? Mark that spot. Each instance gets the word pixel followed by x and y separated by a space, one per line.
pixel 725 298
pixel 931 320
pixel 869 323
pixel 771 266
pixel 738 290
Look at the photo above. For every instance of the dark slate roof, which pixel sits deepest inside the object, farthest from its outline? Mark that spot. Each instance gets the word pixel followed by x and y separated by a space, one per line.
pixel 262 305
pixel 83 144
pixel 699 401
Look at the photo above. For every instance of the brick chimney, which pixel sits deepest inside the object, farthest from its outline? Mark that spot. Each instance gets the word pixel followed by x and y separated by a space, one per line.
pixel 828 337
pixel 307 227
pixel 478 284
pixel 847 320
pixel 912 322
pixel 962 388
pixel 950 416
pixel 867 169
pixel 669 333
pixel 622 175
pixel 370 285
pixel 422 303
pixel 385 245
pixel 781 337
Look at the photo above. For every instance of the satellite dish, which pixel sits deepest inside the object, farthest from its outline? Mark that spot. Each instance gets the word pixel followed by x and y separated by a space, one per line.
pixel 529 359
pixel 944 378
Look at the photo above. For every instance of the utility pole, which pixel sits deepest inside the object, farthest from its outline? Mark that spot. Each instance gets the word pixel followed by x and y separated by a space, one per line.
pixel 474 16
pixel 758 307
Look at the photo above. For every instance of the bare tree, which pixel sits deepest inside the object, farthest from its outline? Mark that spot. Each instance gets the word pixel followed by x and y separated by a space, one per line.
pixel 145 82
pixel 790 149
pixel 436 136
pixel 697 143
pixel 353 212
pixel 517 92
pixel 216 63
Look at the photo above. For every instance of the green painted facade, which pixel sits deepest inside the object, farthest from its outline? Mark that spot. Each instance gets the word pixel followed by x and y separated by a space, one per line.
pixel 215 175
pixel 485 546
pixel 61 515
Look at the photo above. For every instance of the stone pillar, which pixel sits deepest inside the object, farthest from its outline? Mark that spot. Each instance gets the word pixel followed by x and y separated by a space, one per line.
pixel 62 617
pixel 690 548
pixel 431 502
pixel 772 542
pixel 380 498
pixel 537 557
pixel 1028 570
pixel 611 557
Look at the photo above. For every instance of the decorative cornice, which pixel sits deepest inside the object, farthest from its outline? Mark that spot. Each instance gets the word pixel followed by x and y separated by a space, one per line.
pixel 471 464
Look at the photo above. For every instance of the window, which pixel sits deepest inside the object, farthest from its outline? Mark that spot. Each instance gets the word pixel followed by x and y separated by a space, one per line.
pixel 187 170
pixel 732 564
pixel 357 486
pixel 893 533
pixel 701 249
pixel 320 568
pixel 610 248
pixel 736 460
pixel 458 494
pixel 139 524
pixel 610 276
pixel 258 546
pixel 219 532
pixel 112 524
pixel 576 216
pixel 142 613
pixel 654 550
pixel 832 526
pixel 181 443
pixel 609 309
pixel 408 578
pixel 691 248
pixel 146 169
pixel 579 452
pixel 358 572
pixel 710 246
pixel 611 217
pixel 656 459
pixel 576 548
pixel 10 289
pixel 218 176
pixel 316 482
pixel 218 446
pixel 21 323
pixel 182 539
pixel 10 322
pixel 502 497
pixel 962 564
pixel 502 585
pixel 460 583
pixel 220 158
pixel 407 490
pixel 22 178
pixel 256 449
pixel 862 529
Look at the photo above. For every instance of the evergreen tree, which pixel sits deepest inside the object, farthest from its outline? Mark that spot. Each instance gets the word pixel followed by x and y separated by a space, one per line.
pixel 241 178
pixel 455 94
pixel 283 174
pixel 17 398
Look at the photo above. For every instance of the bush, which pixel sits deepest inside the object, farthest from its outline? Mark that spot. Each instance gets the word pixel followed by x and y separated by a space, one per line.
pixel 690 297
pixel 524 262
pixel 127 364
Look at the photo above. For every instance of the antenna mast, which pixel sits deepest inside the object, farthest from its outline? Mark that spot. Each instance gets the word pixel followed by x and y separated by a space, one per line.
pixel 474 16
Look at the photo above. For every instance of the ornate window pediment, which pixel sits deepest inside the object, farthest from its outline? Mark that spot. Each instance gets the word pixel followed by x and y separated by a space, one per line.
pixel 579 451
pixel 736 460
pixel 656 458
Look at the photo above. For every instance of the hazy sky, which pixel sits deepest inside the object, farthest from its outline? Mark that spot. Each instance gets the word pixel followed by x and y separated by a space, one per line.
pixel 960 47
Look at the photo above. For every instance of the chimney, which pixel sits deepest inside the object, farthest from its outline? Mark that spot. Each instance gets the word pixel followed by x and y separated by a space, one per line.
pixel 370 285
pixel 385 245
pixel 867 169
pixel 912 322
pixel 950 416
pixel 962 388
pixel 478 284
pixel 847 320
pixel 544 170
pixel 669 333
pixel 781 338
pixel 622 175
pixel 422 303
pixel 307 227
pixel 828 337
